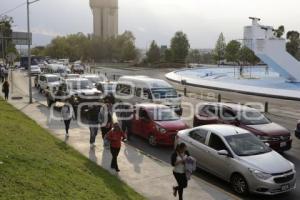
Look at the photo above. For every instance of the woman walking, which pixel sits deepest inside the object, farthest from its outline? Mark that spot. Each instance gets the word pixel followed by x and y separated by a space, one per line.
pixel 115 136
pixel 67 115
pixel 178 161
pixel 5 89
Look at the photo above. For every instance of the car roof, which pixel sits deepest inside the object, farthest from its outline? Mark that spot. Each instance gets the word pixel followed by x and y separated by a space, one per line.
pixel 76 79
pixel 50 75
pixel 90 75
pixel 151 105
pixel 233 106
pixel 151 82
pixel 223 130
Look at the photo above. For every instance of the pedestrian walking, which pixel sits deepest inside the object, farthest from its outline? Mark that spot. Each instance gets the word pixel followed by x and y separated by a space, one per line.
pixel 106 118
pixel 93 121
pixel 115 136
pixel 5 89
pixel 178 159
pixel 67 115
pixel 126 116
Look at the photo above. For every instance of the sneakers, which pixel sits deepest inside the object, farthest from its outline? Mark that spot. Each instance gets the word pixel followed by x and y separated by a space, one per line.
pixel 67 135
pixel 92 145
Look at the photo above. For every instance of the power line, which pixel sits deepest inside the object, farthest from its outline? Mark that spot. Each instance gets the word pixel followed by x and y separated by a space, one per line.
pixel 12 9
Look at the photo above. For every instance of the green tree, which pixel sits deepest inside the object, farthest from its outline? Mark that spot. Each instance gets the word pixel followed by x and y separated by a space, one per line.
pixel 194 56
pixel 232 51
pixel 153 54
pixel 168 56
pixel 6 44
pixel 247 56
pixel 179 47
pixel 292 46
pixel 220 47
pixel 280 31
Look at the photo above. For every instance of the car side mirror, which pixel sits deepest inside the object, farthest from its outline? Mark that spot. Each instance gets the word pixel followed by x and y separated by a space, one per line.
pixel 223 153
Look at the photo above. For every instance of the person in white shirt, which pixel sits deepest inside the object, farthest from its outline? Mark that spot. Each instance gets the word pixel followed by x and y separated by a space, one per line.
pixel 178 162
pixel 67 116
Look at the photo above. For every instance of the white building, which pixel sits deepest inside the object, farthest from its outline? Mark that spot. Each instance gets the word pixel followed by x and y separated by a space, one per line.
pixel 105 13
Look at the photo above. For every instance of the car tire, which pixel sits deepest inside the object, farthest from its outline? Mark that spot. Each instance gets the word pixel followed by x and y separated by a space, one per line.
pixel 152 140
pixel 239 184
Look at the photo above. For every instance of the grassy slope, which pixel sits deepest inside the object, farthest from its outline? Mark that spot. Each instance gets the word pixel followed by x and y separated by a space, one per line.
pixel 35 165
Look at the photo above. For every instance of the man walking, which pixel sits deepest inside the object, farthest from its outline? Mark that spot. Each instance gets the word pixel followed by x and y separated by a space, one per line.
pixel 93 120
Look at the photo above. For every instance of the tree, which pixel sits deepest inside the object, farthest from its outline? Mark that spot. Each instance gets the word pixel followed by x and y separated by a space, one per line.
pixel 179 47
pixel 247 56
pixel 168 55
pixel 219 51
pixel 292 46
pixel 153 55
pixel 6 45
pixel 279 32
pixel 232 51
pixel 194 56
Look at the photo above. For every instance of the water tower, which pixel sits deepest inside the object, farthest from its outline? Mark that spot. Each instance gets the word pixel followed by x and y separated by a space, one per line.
pixel 105 13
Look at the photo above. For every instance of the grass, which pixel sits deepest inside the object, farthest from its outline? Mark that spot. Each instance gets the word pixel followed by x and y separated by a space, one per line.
pixel 35 165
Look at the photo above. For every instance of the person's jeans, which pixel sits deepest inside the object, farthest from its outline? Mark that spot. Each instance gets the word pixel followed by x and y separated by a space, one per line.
pixel 67 125
pixel 6 95
pixel 182 183
pixel 114 162
pixel 93 134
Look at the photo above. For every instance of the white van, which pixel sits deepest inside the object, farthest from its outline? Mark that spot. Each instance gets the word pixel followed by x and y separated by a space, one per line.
pixel 143 89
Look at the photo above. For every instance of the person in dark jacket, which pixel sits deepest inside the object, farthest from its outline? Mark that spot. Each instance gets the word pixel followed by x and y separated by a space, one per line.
pixel 93 120
pixel 5 89
pixel 178 162
pixel 115 136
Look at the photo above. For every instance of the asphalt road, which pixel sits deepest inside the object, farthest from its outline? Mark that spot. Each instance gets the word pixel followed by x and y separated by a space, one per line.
pixel 283 112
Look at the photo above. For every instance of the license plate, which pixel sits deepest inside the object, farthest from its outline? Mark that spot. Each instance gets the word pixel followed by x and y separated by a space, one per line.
pixel 285 187
pixel 283 144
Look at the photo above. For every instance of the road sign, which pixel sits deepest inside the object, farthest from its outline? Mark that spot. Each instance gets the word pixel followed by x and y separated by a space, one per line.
pixel 21 38
pixel 11 57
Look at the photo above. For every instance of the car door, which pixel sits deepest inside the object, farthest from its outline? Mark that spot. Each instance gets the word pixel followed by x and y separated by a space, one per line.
pixel 146 123
pixel 227 116
pixel 197 146
pixel 218 164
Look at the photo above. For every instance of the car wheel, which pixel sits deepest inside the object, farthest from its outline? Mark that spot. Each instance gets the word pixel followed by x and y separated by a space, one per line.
pixel 239 184
pixel 152 140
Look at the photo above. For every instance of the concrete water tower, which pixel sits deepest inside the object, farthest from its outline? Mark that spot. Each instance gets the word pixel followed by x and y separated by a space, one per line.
pixel 105 13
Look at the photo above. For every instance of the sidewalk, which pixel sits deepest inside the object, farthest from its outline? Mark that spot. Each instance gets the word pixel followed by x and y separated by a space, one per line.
pixel 150 177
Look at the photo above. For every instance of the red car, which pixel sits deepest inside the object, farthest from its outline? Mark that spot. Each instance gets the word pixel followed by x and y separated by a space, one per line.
pixel 276 136
pixel 159 124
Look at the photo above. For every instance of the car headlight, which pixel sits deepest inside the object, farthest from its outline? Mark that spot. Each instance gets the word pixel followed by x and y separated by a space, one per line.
pixel 260 174
pixel 160 129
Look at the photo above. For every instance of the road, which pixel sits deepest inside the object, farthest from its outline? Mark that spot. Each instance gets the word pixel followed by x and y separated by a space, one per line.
pixel 283 112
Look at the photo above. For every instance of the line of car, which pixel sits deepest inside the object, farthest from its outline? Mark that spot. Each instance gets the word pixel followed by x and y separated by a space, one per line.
pixel 231 141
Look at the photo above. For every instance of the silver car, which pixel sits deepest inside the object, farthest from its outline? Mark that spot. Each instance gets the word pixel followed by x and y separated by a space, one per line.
pixel 239 157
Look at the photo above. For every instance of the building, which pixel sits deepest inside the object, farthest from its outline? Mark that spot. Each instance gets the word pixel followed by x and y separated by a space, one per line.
pixel 105 14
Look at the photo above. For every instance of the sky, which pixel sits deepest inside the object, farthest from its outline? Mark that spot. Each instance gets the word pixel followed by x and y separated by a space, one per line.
pixel 201 20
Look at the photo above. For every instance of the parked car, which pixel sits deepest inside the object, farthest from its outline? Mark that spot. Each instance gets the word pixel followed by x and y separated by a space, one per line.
pixel 276 136
pixel 76 92
pixel 239 157
pixel 107 87
pixel 143 89
pixel 297 131
pixel 94 78
pixel 35 70
pixel 157 123
pixel 45 81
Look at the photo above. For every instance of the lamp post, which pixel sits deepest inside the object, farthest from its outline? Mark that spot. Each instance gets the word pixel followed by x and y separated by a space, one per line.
pixel 29 49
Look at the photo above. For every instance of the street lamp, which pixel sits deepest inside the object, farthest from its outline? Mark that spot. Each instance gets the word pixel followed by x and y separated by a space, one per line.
pixel 29 50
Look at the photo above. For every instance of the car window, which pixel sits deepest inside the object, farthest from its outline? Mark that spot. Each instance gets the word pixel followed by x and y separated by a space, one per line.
pixel 143 114
pixel 199 135
pixel 147 93
pixel 211 111
pixel 227 114
pixel 216 143
pixel 138 92
pixel 124 89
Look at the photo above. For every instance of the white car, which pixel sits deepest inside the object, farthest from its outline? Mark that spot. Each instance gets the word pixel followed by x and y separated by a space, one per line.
pixel 46 81
pixel 239 157
pixel 35 70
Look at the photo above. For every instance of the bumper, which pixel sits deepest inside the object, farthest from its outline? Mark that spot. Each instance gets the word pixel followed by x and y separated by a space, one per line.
pixel 269 187
pixel 281 146
pixel 166 139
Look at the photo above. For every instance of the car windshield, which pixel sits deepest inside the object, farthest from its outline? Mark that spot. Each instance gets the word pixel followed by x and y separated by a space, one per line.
pixel 53 79
pixel 80 85
pixel 253 118
pixel 163 114
pixel 247 145
pixel 162 93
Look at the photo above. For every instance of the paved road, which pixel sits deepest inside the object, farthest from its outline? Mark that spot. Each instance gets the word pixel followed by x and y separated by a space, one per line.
pixel 283 112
